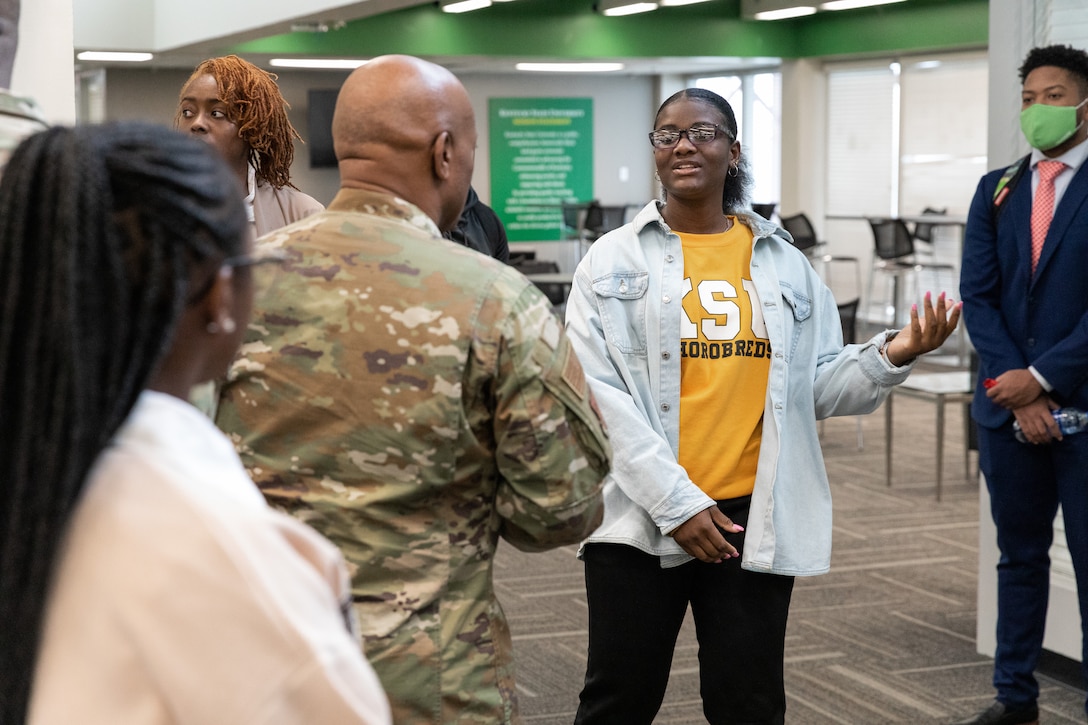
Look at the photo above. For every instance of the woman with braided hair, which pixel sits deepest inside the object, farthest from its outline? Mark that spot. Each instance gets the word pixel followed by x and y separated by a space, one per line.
pixel 236 107
pixel 142 577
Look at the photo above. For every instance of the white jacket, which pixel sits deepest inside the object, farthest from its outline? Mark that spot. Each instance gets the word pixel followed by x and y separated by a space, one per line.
pixel 181 597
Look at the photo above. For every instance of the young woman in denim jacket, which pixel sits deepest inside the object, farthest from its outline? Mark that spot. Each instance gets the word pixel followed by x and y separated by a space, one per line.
pixel 712 347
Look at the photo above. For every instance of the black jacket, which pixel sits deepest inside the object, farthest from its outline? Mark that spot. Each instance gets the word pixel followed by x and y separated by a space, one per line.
pixel 479 228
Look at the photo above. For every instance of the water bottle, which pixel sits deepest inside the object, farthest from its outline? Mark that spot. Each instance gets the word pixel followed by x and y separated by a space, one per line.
pixel 1069 420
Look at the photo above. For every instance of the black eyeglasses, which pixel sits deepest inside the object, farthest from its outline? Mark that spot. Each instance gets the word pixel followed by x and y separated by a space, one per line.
pixel 257 258
pixel 699 134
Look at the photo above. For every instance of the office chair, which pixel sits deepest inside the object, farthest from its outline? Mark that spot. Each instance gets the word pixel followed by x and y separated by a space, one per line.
pixel 895 256
pixel 575 215
pixel 804 238
pixel 803 233
pixel 556 293
pixel 923 233
pixel 765 210
pixel 601 219
pixel 848 318
pixel 847 299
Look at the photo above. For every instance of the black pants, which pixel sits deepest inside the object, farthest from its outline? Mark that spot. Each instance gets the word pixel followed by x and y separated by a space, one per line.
pixel 636 609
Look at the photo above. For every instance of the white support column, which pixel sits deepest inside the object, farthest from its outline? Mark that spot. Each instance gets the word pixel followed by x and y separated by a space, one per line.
pixel 804 156
pixel 44 66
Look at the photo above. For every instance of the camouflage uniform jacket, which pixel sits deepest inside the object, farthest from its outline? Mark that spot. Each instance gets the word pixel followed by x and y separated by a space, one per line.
pixel 414 401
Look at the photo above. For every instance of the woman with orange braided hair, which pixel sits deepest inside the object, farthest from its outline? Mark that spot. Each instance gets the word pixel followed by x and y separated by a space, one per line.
pixel 237 108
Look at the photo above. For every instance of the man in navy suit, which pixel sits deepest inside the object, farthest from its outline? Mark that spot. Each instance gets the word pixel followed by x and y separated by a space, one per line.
pixel 1027 313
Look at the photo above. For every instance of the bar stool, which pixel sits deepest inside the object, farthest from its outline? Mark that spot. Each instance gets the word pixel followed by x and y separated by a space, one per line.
pixel 939 388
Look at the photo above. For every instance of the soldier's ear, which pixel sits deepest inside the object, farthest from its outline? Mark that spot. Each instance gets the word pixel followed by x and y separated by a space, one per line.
pixel 442 156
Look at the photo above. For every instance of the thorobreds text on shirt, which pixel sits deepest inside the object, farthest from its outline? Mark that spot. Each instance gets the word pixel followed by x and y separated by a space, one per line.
pixel 724 363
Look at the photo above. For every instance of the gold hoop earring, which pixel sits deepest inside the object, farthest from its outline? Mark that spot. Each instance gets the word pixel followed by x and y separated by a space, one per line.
pixel 734 169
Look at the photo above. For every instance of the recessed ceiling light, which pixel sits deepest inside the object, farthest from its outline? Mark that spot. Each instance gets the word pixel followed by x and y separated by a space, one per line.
pixel 675 3
pixel 114 56
pixel 463 6
pixel 851 4
pixel 317 63
pixel 616 8
pixel 794 12
pixel 570 67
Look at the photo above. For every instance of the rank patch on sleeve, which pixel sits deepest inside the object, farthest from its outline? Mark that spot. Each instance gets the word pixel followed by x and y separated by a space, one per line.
pixel 573 375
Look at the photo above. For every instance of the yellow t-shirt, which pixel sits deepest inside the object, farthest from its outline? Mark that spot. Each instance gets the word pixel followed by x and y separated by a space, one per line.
pixel 724 363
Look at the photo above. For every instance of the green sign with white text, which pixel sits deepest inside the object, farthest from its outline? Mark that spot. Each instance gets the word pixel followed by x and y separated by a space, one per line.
pixel 541 158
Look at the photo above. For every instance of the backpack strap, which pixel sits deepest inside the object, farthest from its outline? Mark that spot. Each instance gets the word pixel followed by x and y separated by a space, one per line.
pixel 1006 184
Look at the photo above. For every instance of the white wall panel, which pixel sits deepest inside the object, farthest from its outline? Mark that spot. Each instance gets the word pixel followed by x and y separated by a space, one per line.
pixel 44 68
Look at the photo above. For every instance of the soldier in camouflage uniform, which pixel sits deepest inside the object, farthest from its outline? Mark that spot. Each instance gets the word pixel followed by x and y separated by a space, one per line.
pixel 414 400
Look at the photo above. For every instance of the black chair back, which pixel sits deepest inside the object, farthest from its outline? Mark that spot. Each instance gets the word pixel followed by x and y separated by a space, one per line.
pixel 764 210
pixel 892 239
pixel 574 215
pixel 556 293
pixel 802 231
pixel 601 219
pixel 848 316
pixel 924 231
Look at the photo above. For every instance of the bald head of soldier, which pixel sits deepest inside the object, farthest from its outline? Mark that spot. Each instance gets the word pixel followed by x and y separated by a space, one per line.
pixel 406 127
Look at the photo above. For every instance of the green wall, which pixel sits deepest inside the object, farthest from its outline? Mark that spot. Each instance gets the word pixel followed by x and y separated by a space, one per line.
pixel 572 29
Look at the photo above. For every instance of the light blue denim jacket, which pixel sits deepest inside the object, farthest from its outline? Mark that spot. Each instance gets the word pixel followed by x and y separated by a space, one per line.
pixel 623 317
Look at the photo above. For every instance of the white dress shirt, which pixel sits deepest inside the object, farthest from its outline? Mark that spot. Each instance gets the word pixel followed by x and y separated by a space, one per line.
pixel 181 597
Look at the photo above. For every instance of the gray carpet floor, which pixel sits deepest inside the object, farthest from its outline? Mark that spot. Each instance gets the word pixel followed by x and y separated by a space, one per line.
pixel 887 637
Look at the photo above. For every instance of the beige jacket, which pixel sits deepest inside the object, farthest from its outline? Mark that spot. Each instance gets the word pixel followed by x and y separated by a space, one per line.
pixel 274 208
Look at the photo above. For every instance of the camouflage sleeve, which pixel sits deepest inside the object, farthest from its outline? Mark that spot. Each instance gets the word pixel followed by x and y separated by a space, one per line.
pixel 552 452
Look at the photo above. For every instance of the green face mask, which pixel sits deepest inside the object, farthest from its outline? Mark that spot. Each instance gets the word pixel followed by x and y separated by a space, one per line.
pixel 1048 126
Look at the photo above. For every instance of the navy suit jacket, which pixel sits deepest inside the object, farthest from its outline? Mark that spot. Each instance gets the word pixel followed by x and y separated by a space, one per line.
pixel 1015 320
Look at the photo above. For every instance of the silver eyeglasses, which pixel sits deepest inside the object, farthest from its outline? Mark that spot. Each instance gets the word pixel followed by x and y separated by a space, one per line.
pixel 699 134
